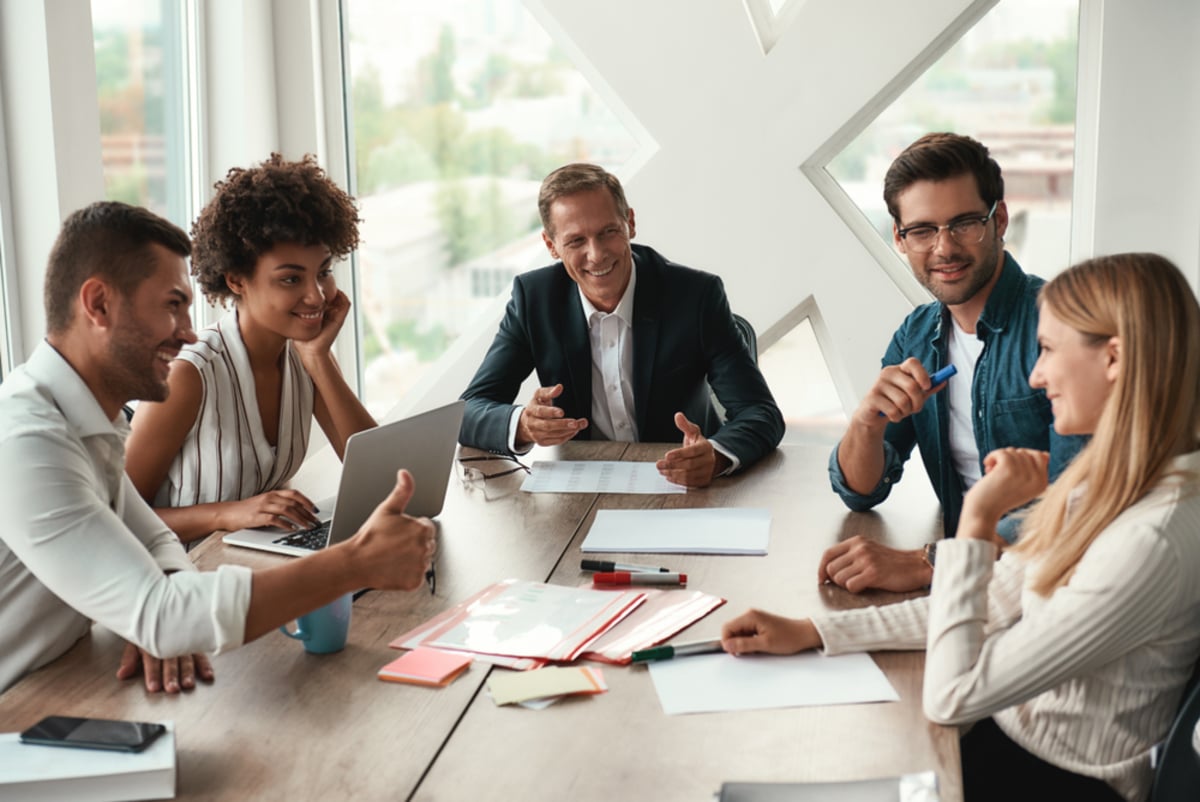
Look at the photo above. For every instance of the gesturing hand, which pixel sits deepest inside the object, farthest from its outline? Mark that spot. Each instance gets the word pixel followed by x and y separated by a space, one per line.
pixel 695 462
pixel 543 423
pixel 396 548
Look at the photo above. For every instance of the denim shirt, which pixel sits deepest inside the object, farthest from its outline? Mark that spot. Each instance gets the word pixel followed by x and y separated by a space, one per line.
pixel 1006 411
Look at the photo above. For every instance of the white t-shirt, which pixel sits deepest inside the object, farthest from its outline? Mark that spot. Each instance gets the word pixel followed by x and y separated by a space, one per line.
pixel 964 450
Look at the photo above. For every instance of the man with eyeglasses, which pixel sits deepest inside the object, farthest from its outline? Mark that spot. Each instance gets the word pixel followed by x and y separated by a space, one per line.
pixel 946 197
pixel 625 344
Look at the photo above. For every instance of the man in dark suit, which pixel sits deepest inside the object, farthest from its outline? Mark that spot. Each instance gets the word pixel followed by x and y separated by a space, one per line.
pixel 625 344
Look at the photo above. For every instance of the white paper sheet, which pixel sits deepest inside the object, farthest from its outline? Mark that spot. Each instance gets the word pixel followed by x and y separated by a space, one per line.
pixel 718 530
pixel 717 682
pixel 597 476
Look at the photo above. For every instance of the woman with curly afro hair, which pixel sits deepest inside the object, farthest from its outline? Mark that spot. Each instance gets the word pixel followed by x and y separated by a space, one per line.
pixel 236 423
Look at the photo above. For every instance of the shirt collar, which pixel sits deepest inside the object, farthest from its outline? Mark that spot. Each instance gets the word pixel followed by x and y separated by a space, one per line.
pixel 69 392
pixel 624 307
pixel 1004 295
pixel 1000 303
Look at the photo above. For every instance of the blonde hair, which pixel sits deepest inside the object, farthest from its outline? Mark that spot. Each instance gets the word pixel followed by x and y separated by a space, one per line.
pixel 1152 413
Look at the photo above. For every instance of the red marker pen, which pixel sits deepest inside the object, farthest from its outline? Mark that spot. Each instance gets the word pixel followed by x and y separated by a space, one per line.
pixel 628 578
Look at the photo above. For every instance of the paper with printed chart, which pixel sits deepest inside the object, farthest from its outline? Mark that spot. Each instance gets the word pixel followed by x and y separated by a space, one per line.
pixel 597 476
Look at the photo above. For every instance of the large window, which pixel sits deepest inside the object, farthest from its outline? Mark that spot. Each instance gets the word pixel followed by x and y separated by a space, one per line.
pixel 6 351
pixel 458 108
pixel 1010 83
pixel 141 64
pixel 5 356
pixel 795 370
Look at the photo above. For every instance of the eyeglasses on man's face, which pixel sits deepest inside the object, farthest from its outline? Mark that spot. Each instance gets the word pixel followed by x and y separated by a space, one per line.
pixel 964 231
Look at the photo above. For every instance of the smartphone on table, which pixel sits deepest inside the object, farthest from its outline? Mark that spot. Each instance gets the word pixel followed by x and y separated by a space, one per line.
pixel 93 733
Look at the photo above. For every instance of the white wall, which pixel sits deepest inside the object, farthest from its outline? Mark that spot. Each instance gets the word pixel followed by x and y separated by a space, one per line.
pixel 1147 133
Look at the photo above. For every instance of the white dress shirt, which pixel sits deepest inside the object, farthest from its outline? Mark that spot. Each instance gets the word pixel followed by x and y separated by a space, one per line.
pixel 611 338
pixel 79 543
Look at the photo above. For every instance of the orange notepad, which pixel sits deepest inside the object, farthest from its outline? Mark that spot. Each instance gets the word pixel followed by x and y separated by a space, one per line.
pixel 424 666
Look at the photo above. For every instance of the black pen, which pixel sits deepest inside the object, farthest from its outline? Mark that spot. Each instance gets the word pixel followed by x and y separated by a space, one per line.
pixel 633 568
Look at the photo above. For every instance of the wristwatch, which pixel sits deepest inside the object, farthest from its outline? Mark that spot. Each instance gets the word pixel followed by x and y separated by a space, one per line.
pixel 930 553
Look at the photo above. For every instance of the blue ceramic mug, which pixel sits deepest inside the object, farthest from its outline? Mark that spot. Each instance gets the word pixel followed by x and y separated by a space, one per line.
pixel 324 630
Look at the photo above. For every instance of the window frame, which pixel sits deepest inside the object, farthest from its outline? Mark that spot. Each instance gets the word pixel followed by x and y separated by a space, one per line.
pixel 9 313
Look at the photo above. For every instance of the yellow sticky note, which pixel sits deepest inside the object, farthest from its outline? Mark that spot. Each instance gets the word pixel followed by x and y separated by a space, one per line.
pixel 510 687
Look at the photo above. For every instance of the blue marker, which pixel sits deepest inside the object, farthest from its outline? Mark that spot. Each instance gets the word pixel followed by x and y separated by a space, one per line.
pixel 942 375
pixel 936 379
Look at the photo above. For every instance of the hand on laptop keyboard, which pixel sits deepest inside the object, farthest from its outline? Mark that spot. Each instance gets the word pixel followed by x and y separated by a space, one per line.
pixel 314 538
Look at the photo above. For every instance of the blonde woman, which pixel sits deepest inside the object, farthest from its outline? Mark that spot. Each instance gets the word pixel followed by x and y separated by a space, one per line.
pixel 1071 652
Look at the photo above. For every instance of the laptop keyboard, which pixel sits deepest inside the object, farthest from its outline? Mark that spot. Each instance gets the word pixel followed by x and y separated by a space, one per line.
pixel 313 539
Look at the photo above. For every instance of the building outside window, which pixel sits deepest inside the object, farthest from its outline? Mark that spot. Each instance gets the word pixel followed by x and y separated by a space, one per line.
pixel 1010 83
pixel 141 66
pixel 458 110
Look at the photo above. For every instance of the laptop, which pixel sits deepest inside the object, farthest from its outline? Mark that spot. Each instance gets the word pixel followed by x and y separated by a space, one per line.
pixel 424 444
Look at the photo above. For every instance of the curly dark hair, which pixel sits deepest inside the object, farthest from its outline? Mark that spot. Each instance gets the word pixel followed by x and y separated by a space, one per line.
pixel 255 209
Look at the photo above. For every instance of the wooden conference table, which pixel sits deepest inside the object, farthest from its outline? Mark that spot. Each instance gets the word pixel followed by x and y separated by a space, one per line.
pixel 280 723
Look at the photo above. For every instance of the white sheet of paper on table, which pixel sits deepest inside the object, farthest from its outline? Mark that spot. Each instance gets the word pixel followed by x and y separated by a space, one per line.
pixel 597 476
pixel 716 530
pixel 719 682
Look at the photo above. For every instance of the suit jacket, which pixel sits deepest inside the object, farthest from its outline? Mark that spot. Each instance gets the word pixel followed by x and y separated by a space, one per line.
pixel 684 340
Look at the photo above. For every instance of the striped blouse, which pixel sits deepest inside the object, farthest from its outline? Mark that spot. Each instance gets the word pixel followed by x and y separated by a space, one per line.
pixel 226 456
pixel 1088 679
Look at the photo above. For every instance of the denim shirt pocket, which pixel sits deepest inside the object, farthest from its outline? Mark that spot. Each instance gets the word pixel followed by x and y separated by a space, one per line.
pixel 1022 421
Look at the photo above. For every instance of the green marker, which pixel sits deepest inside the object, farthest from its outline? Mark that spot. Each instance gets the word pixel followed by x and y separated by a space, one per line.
pixel 670 651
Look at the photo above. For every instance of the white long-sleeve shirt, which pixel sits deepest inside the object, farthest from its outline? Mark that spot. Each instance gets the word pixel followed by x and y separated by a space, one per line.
pixel 80 545
pixel 1089 678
